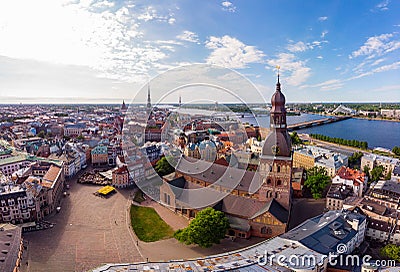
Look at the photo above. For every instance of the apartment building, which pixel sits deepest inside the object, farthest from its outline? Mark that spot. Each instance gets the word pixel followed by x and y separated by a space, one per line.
pixel 310 156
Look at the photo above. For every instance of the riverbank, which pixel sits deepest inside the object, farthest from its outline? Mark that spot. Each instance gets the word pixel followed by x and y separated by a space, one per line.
pixel 376 119
pixel 358 117
pixel 328 145
pixel 347 150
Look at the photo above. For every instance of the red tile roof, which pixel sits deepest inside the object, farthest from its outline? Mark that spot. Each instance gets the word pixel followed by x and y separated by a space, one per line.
pixel 351 174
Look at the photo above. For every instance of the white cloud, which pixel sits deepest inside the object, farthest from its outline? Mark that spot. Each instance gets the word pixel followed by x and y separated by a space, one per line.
pixel 228 6
pixel 232 53
pixel 332 84
pixel 102 4
pixel 302 46
pixel 323 34
pixel 298 47
pixel 97 35
pixel 320 57
pixel 378 61
pixel 384 68
pixel 171 21
pixel 296 69
pixel 323 18
pixel 188 36
pixel 377 46
pixel 388 67
pixel 383 5
pixel 151 14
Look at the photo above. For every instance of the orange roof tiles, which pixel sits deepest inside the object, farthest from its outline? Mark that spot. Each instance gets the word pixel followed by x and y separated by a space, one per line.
pixel 52 173
pixel 351 174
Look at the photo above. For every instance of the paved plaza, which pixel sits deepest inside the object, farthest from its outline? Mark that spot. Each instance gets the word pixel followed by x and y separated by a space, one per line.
pixel 89 231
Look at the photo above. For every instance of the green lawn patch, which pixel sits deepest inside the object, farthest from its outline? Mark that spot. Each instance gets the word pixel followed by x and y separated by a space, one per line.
pixel 148 225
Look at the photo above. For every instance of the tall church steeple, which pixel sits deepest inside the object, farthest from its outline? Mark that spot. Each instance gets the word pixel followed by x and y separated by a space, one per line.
pixel 279 144
pixel 148 98
pixel 276 158
pixel 278 111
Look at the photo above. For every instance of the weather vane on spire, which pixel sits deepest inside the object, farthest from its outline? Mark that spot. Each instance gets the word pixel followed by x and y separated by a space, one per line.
pixel 278 68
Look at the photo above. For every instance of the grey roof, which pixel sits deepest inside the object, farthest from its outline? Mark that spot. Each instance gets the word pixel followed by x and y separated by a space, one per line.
pixel 245 260
pixel 228 177
pixel 339 191
pixel 238 223
pixel 276 209
pixel 324 232
pixel 391 186
pixel 10 239
pixel 177 185
pixel 396 170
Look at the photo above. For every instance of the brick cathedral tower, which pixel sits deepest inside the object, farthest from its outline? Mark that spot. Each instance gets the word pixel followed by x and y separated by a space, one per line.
pixel 276 158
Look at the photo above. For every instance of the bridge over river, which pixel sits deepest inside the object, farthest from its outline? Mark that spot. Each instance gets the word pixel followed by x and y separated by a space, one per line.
pixel 318 122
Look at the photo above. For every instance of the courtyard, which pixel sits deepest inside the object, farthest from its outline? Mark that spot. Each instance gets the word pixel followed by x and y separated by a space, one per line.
pixel 88 231
pixel 91 231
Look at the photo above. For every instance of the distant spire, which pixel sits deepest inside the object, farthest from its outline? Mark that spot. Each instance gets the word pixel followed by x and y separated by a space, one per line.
pixel 123 105
pixel 148 97
pixel 180 100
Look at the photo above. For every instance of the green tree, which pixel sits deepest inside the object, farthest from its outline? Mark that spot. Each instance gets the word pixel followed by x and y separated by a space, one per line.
pixel 295 138
pixel 396 150
pixel 355 159
pixel 391 252
pixel 377 173
pixel 163 167
pixel 317 180
pixel 41 134
pixel 207 228
pixel 366 171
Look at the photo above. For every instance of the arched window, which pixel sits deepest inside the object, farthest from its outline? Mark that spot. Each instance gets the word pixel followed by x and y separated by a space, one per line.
pixel 278 168
pixel 269 194
pixel 269 181
pixel 279 182
pixel 269 231
pixel 277 195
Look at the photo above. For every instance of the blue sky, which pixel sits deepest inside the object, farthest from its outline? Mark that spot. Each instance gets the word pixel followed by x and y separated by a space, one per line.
pixel 105 51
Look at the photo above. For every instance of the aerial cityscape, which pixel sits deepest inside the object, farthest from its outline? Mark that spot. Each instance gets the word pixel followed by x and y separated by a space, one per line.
pixel 200 136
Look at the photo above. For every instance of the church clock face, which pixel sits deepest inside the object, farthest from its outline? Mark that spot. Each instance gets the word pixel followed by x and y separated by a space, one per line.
pixel 275 150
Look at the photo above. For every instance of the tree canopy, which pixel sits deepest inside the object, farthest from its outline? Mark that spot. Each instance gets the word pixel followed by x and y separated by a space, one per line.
pixel 163 167
pixel 295 138
pixel 355 159
pixel 376 173
pixel 341 141
pixel 396 150
pixel 366 170
pixel 317 180
pixel 391 252
pixel 41 134
pixel 207 228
